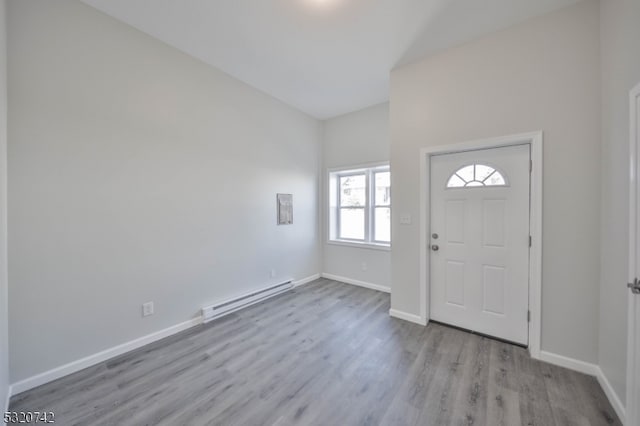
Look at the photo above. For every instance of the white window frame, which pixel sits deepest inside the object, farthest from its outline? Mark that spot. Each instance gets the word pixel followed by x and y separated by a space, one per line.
pixel 333 205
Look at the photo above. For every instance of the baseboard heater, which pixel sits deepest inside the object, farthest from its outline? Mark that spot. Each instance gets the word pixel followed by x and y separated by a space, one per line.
pixel 209 313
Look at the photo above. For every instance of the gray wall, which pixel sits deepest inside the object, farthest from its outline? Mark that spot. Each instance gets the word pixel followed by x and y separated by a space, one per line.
pixel 4 319
pixel 541 75
pixel 620 35
pixel 352 139
pixel 136 174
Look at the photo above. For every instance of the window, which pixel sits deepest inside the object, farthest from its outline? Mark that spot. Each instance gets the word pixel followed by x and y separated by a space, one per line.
pixel 360 206
pixel 476 175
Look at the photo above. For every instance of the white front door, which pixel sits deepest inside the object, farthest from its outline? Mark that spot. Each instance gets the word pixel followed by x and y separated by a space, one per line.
pixel 633 361
pixel 479 242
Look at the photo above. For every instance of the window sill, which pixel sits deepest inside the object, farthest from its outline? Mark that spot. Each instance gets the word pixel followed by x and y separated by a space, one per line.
pixel 370 246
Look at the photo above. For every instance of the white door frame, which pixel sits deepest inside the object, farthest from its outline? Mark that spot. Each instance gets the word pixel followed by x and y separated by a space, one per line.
pixel 535 223
pixel 631 411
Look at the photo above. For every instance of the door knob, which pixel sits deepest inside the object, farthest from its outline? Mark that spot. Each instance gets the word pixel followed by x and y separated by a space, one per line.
pixel 435 247
pixel 434 236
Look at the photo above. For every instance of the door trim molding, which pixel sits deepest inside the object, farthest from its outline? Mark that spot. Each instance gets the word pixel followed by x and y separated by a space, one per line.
pixel 632 412
pixel 407 316
pixel 535 140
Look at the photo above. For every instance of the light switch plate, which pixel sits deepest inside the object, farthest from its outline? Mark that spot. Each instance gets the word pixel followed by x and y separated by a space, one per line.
pixel 405 219
pixel 147 309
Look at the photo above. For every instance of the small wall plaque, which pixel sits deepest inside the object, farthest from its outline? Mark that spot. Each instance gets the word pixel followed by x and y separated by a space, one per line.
pixel 285 209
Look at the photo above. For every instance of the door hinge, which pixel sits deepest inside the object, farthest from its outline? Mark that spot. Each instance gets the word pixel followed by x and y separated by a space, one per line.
pixel 530 166
pixel 530 241
pixel 528 316
pixel 634 286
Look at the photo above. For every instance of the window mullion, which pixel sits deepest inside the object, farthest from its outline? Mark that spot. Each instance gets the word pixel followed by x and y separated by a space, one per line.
pixel 338 218
pixel 371 207
pixel 366 206
pixel 372 210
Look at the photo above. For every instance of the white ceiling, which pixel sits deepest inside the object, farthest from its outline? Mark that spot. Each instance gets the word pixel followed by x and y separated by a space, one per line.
pixel 325 57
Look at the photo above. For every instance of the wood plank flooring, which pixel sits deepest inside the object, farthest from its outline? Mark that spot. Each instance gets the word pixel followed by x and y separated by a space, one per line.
pixel 323 354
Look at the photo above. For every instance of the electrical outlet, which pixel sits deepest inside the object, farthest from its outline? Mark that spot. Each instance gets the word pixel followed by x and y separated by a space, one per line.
pixel 273 273
pixel 147 309
pixel 405 219
pixel 364 266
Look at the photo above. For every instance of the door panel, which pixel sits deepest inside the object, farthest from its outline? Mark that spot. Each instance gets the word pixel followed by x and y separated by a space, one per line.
pixel 493 217
pixel 633 341
pixel 479 262
pixel 494 289
pixel 635 298
pixel 455 213
pixel 455 283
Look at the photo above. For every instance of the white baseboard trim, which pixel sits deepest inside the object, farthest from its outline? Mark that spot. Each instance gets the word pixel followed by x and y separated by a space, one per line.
pixel 570 363
pixel 591 370
pixel 81 364
pixel 306 280
pixel 407 317
pixel 364 284
pixel 613 397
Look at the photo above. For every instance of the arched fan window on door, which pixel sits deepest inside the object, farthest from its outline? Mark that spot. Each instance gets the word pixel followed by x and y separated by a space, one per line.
pixel 476 175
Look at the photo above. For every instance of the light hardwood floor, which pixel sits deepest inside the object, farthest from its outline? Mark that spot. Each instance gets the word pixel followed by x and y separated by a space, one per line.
pixel 323 354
